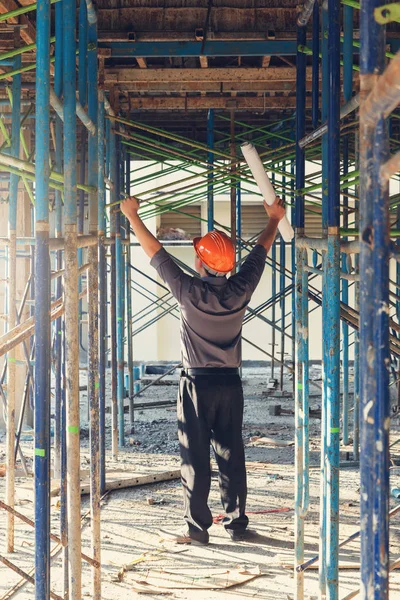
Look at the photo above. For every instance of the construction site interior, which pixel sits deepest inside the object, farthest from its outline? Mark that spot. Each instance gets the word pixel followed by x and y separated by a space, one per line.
pixel 111 98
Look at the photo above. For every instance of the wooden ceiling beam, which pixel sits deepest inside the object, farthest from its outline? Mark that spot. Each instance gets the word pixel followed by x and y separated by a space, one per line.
pixel 260 104
pixel 28 34
pixel 220 75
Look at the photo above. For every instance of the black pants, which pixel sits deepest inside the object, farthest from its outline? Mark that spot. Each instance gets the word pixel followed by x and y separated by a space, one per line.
pixel 210 409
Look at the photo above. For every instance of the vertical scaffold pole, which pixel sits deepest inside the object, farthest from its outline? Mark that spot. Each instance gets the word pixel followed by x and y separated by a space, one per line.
pixel 102 286
pixel 324 409
pixel 233 185
pixel 210 176
pixel 71 301
pixel 332 291
pixel 348 89
pixel 273 316
pixel 83 95
pixel 12 289
pixel 374 309
pixel 93 299
pixel 113 285
pixel 301 360
pixel 239 220
pixel 120 292
pixel 42 312
pixel 128 281
pixel 59 433
pixel 282 261
pixel 315 65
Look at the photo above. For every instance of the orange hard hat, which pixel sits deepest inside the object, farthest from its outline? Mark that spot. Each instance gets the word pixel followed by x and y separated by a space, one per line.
pixel 216 251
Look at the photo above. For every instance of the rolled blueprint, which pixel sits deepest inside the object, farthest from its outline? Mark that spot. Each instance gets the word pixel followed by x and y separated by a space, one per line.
pixel 264 184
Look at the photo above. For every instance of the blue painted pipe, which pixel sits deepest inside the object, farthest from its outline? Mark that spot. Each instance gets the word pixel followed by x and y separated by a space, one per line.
pixel 239 219
pixel 210 176
pixel 315 65
pixel 300 126
pixel 332 290
pixel 345 300
pixel 42 321
pixel 348 90
pixel 325 346
pixel 83 54
pixel 381 409
pixel 372 61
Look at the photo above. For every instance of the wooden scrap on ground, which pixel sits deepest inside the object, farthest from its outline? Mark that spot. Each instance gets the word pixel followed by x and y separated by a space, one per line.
pixel 146 556
pixel 258 441
pixel 125 480
pixel 162 581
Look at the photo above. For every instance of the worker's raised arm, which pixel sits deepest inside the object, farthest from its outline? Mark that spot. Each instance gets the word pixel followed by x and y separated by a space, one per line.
pixel 168 270
pixel 146 239
pixel 252 269
pixel 276 212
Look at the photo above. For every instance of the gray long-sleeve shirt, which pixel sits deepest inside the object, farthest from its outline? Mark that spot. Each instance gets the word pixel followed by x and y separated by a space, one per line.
pixel 212 309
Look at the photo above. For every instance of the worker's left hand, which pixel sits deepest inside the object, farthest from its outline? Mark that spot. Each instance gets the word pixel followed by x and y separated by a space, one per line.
pixel 130 207
pixel 277 210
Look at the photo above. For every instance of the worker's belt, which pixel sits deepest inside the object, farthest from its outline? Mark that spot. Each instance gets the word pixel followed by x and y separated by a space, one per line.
pixel 210 371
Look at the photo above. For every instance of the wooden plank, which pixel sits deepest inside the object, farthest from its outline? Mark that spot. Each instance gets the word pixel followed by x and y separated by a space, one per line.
pixel 207 102
pixel 141 62
pixel 215 87
pixel 128 482
pixel 204 62
pixel 265 61
pixel 228 75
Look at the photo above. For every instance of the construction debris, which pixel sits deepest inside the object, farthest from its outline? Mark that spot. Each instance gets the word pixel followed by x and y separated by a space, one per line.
pixel 159 581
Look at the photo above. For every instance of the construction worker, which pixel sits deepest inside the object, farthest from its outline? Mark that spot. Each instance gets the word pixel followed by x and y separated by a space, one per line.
pixel 210 398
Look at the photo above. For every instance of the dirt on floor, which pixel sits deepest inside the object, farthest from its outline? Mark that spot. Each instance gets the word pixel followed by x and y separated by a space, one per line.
pixel 138 558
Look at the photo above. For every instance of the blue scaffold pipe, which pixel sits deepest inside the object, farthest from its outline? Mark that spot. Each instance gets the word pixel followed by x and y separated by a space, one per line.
pixel 332 291
pixel 42 320
pixel 325 349
pixel 210 176
pixel 315 65
pixel 381 410
pixel 83 54
pixel 372 62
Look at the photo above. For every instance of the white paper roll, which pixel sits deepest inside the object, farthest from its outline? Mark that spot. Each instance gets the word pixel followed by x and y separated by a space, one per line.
pixel 257 168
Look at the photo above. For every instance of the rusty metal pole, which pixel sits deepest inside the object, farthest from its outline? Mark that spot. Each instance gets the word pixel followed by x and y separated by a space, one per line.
pixel 12 289
pixel 93 311
pixel 71 304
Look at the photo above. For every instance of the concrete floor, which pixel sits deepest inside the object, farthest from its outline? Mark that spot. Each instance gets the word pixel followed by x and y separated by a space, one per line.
pixel 131 526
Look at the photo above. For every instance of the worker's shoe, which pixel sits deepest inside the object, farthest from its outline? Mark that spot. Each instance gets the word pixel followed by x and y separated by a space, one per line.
pixel 242 535
pixel 187 536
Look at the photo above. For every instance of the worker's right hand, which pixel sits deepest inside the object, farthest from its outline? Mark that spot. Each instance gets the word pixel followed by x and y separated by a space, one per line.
pixel 130 207
pixel 277 210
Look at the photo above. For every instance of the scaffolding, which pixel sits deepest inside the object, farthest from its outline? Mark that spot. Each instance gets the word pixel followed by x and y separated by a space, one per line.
pixel 84 131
